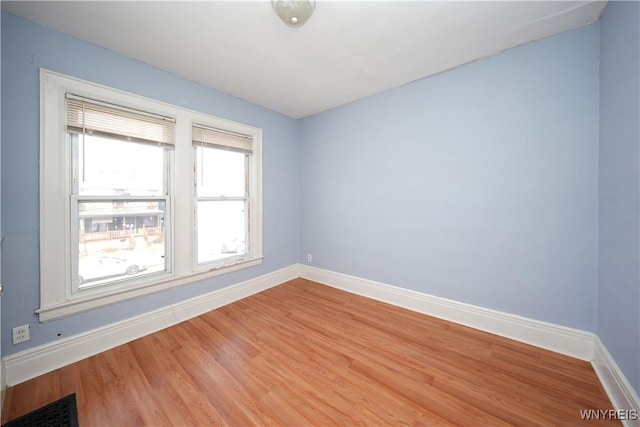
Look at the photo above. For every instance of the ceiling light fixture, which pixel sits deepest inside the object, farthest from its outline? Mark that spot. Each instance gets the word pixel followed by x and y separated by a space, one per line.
pixel 294 13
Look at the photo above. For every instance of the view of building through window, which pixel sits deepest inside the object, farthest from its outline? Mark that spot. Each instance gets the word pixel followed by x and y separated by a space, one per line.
pixel 121 207
pixel 120 239
pixel 139 204
pixel 120 233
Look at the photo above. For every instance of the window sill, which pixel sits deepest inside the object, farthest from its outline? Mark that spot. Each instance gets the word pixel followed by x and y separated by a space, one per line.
pixel 84 303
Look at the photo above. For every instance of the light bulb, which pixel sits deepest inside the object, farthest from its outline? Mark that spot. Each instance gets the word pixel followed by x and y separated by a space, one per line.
pixel 294 13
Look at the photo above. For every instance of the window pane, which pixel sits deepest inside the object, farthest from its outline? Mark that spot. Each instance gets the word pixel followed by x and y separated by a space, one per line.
pixel 110 167
pixel 119 240
pixel 221 230
pixel 221 172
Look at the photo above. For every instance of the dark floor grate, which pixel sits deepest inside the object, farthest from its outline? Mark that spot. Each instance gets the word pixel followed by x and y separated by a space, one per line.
pixel 61 413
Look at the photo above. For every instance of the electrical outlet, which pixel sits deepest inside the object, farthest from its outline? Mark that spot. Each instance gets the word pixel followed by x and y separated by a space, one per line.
pixel 21 334
pixel 309 258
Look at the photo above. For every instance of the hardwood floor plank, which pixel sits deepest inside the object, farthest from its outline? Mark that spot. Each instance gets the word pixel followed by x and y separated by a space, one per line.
pixel 393 409
pixel 306 354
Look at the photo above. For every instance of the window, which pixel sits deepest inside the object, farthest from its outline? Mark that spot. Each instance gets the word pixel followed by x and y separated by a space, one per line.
pixel 119 194
pixel 223 203
pixel 139 196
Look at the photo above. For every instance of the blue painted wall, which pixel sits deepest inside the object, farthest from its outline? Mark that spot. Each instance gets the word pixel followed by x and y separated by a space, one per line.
pixel 619 255
pixel 479 184
pixel 25 48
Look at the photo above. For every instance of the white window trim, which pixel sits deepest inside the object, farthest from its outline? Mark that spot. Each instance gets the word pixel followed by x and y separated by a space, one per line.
pixel 56 299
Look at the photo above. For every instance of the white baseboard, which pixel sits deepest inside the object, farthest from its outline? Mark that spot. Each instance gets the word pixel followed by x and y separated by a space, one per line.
pixel 572 342
pixel 568 341
pixel 622 395
pixel 39 360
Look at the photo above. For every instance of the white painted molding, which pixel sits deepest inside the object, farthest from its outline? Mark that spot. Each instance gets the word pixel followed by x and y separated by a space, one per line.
pixel 572 342
pixel 39 360
pixel 622 395
pixel 57 300
pixel 568 341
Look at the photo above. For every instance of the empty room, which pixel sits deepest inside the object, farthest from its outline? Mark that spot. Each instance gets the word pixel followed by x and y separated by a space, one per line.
pixel 320 213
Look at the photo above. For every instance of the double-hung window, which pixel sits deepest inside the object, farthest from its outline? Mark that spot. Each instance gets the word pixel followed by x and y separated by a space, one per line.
pixel 223 203
pixel 137 196
pixel 119 196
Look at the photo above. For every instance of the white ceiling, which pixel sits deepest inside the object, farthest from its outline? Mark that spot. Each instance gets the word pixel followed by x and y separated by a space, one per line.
pixel 348 50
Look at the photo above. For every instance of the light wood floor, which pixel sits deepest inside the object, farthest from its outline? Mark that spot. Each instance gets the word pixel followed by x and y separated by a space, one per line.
pixel 306 354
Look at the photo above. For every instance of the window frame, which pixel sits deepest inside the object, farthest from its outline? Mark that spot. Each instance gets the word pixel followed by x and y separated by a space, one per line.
pixel 56 297
pixel 73 140
pixel 246 197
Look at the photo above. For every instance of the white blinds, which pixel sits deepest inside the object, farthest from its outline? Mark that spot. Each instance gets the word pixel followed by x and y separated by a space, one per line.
pixel 101 119
pixel 218 138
